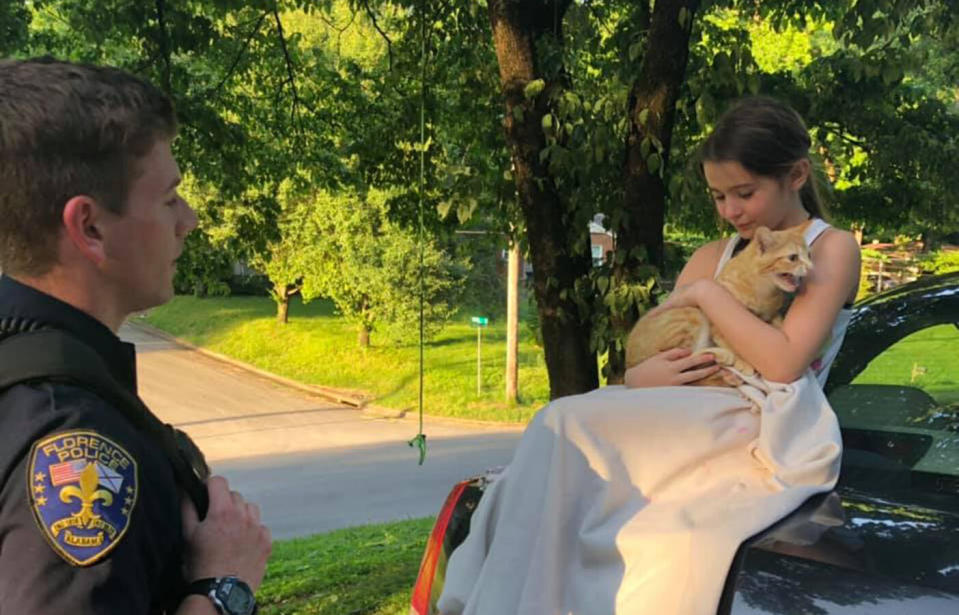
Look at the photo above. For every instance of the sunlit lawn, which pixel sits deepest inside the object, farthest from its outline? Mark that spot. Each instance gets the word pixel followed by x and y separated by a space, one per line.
pixel 358 571
pixel 926 359
pixel 318 347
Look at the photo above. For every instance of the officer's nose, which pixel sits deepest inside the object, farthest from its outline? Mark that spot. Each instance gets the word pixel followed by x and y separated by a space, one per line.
pixel 189 221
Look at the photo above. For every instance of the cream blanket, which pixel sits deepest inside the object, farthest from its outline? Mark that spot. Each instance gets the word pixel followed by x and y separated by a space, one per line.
pixel 635 500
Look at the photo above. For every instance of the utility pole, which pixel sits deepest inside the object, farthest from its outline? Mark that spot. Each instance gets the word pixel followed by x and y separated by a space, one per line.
pixel 512 322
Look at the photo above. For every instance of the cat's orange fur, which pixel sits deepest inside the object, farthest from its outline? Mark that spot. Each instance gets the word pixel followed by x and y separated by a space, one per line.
pixel 771 265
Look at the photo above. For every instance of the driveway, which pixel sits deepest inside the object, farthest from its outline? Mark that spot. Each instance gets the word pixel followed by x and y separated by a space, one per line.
pixel 311 464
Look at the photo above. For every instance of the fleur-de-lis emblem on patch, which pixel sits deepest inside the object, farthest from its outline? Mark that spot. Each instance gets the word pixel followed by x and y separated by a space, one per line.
pixel 83 488
pixel 87 493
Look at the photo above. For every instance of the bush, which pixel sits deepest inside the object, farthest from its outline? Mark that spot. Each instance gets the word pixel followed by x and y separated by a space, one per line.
pixel 250 284
pixel 943 261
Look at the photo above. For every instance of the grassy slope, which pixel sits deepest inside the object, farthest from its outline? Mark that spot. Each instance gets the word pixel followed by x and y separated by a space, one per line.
pixel 319 347
pixel 358 571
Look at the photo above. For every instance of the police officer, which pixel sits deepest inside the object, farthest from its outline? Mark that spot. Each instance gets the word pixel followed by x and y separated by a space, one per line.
pixel 91 224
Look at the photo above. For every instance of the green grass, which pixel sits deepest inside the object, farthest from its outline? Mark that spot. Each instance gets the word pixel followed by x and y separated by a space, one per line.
pixel 926 360
pixel 319 347
pixel 367 570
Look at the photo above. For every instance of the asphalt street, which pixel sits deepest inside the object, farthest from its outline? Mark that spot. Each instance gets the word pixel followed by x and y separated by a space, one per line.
pixel 311 464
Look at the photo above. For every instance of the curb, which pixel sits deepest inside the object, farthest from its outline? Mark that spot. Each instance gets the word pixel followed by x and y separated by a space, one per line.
pixel 342 397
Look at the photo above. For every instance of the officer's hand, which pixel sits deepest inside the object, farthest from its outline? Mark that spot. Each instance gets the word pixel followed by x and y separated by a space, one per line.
pixel 229 541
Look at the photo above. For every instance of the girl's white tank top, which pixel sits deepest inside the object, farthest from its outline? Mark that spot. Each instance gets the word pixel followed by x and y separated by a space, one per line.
pixel 821 365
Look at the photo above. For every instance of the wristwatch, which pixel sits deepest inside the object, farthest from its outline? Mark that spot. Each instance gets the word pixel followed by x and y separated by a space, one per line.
pixel 229 595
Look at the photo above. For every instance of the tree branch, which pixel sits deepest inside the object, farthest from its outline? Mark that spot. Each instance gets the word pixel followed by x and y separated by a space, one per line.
pixel 389 43
pixel 164 48
pixel 289 64
pixel 239 55
pixel 837 129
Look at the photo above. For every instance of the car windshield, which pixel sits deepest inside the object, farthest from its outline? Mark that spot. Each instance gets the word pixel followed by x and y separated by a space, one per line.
pixel 900 416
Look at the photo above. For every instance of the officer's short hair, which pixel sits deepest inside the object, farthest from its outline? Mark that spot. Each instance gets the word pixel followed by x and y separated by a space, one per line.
pixel 66 130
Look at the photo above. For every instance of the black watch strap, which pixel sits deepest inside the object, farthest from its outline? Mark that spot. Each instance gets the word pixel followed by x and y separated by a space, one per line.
pixel 205 587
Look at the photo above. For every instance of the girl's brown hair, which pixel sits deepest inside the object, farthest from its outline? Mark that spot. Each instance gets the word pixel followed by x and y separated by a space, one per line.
pixel 767 137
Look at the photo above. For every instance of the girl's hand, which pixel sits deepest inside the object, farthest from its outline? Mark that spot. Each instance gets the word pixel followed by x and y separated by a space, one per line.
pixel 682 296
pixel 670 368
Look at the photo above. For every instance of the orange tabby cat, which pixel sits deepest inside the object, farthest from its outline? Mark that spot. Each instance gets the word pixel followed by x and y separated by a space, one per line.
pixel 771 265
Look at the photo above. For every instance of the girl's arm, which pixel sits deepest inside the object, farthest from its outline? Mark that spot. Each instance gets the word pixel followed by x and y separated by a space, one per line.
pixel 676 366
pixel 782 355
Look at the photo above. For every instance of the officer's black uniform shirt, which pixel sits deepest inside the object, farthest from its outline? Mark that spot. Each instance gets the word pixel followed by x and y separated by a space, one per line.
pixel 141 572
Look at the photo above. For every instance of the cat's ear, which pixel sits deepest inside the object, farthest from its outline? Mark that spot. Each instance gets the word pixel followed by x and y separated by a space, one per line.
pixel 764 239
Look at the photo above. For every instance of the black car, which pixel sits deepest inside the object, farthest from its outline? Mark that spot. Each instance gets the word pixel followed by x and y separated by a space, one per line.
pixel 886 539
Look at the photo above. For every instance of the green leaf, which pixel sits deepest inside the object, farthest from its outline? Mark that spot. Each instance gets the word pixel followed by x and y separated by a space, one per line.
pixel 634 50
pixel 533 88
pixel 547 122
pixel 891 74
pixel 545 153
pixel 653 163
pixel 518 113
pixel 602 284
pixel 443 208
pixel 675 185
pixel 643 116
pixel 645 146
pixel 465 210
pixel 704 108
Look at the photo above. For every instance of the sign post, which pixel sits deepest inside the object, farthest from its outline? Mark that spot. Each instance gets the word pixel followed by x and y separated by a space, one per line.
pixel 480 322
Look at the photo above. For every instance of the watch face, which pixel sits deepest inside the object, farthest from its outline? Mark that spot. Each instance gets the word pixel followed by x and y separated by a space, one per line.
pixel 236 596
pixel 240 602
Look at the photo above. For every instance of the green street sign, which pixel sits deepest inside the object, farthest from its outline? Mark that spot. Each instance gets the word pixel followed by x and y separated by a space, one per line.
pixel 481 321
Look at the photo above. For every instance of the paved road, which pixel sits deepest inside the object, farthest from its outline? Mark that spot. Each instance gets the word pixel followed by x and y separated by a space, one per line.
pixel 311 464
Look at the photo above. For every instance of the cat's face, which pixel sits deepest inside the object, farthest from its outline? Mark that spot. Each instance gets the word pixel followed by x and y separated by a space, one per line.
pixel 784 256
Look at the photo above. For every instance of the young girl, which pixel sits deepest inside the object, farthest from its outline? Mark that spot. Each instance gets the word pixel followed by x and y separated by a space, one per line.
pixel 757 167
pixel 634 499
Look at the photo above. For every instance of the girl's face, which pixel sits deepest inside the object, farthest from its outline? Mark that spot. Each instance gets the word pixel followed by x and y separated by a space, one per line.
pixel 747 201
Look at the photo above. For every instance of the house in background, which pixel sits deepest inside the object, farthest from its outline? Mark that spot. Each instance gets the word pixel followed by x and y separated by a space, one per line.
pixel 602 243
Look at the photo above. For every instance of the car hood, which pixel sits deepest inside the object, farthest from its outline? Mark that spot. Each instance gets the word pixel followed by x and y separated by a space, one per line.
pixel 854 552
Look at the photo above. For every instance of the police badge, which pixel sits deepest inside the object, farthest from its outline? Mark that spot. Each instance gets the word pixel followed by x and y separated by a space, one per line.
pixel 83 487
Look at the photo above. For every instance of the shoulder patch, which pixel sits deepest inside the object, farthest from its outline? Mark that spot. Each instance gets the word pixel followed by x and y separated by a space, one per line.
pixel 82 489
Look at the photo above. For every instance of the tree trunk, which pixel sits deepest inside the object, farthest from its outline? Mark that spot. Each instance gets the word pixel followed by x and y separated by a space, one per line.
pixel 363 336
pixel 652 112
pixel 282 305
pixel 516 27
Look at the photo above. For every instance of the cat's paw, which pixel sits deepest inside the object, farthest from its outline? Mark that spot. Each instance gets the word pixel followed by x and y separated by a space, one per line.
pixel 745 368
pixel 730 378
pixel 723 356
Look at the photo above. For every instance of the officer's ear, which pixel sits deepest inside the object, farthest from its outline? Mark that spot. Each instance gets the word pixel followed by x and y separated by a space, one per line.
pixel 83 219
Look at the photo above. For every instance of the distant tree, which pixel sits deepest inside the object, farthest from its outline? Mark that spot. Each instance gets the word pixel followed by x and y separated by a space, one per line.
pixel 203 270
pixel 370 267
